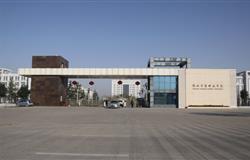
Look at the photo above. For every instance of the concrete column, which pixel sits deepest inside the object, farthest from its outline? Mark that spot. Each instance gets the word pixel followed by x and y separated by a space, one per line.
pixel 233 89
pixel 182 89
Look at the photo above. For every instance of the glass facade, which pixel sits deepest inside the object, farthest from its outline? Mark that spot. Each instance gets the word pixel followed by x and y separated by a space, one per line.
pixel 165 90
pixel 165 99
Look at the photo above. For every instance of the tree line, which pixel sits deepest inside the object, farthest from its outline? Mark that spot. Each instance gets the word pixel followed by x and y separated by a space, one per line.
pixel 12 93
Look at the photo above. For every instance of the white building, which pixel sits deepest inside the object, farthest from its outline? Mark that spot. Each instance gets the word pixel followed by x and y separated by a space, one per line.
pixel 246 79
pixel 239 88
pixel 6 75
pixel 127 88
pixel 88 92
pixel 243 82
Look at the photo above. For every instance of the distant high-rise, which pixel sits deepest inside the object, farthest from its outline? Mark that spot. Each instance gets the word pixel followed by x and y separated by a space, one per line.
pixel 127 88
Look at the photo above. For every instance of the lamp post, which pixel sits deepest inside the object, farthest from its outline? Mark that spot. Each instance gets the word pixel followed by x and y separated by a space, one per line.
pixel 146 93
pixel 77 96
pixel 120 83
pixel 76 84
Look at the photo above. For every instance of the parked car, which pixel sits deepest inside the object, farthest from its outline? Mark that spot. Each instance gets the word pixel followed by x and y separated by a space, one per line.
pixel 114 104
pixel 123 102
pixel 24 102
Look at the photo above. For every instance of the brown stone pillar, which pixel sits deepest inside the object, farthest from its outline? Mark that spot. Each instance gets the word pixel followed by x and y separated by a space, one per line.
pixel 49 90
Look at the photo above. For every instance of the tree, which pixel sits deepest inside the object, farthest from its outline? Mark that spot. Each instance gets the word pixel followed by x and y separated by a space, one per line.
pixel 23 92
pixel 3 91
pixel 71 91
pixel 95 96
pixel 12 91
pixel 244 96
pixel 82 94
pixel 75 92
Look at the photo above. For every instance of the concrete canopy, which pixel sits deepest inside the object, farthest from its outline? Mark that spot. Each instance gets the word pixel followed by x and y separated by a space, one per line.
pixel 99 72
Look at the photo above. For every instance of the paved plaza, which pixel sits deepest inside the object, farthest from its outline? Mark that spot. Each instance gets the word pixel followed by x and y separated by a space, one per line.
pixel 85 133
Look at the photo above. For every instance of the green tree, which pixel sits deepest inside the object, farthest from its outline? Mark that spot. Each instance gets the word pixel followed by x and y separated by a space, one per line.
pixel 82 94
pixel 71 94
pixel 75 93
pixel 244 96
pixel 95 96
pixel 23 92
pixel 12 90
pixel 3 91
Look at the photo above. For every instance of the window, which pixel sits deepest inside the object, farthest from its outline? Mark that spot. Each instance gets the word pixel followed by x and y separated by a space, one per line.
pixel 172 86
pixel 163 83
pixel 156 82
pixel 165 90
pixel 159 98
pixel 165 98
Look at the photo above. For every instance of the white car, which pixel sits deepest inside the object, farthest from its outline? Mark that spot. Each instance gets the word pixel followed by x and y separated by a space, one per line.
pixel 122 102
pixel 114 104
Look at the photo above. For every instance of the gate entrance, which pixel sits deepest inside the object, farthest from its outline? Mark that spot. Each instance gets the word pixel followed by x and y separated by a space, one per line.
pixel 100 92
pixel 50 76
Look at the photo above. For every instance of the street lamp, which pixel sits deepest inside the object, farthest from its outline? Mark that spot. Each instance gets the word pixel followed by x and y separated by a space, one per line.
pixel 75 83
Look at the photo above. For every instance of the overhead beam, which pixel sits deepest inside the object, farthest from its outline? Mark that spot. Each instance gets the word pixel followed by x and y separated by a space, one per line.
pixel 98 72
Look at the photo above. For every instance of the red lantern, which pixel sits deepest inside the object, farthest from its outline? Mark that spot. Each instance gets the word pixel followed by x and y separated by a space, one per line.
pixel 74 83
pixel 119 82
pixel 137 83
pixel 91 83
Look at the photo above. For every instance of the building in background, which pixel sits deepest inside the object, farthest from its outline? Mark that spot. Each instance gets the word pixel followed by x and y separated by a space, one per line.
pixel 239 88
pixel 242 82
pixel 88 92
pixel 127 88
pixel 6 75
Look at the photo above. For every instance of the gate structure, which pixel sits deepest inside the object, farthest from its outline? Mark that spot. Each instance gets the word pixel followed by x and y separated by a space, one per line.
pixel 171 82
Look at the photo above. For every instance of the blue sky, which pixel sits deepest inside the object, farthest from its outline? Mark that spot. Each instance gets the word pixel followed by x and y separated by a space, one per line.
pixel 108 33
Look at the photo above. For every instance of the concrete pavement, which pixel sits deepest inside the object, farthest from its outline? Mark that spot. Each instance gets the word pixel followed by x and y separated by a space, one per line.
pixel 53 133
